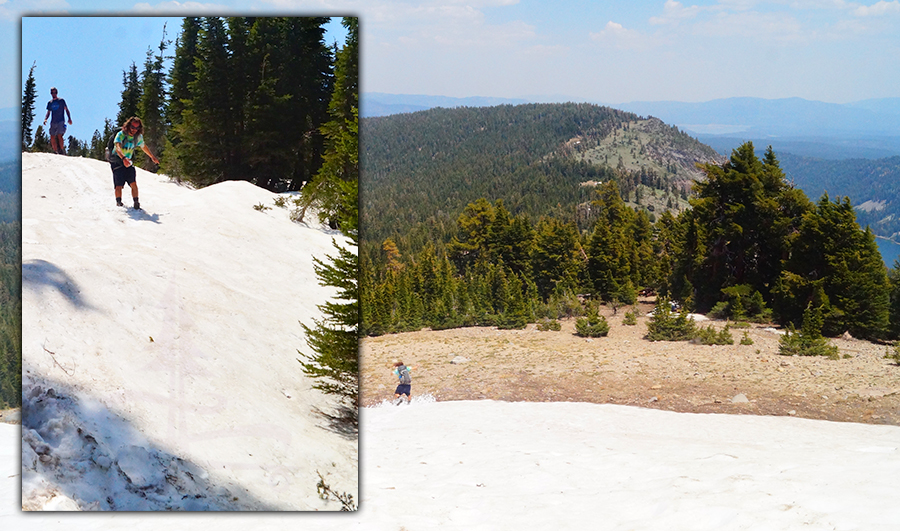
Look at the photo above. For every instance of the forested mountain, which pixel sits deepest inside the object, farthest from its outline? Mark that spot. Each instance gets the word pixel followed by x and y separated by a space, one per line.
pixel 10 283
pixel 541 159
pixel 505 215
pixel 873 186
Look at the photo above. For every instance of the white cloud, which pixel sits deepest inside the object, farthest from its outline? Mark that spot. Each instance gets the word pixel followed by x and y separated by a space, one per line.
pixel 880 8
pixel 674 12
pixel 174 6
pixel 622 38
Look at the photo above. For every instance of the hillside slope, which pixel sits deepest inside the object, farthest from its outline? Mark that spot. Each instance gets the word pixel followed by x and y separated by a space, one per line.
pixel 160 348
pixel 873 187
pixel 536 157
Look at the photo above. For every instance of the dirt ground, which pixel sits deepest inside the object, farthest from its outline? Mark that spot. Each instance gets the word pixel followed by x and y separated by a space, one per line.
pixel 624 368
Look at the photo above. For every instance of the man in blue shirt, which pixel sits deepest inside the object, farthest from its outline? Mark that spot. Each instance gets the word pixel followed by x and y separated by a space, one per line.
pixel 56 106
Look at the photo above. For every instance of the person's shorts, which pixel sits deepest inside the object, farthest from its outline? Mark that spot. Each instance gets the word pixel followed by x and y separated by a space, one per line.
pixel 403 389
pixel 123 175
pixel 57 128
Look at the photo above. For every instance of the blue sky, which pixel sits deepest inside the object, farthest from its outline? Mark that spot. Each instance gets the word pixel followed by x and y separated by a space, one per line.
pixel 612 52
pixel 84 58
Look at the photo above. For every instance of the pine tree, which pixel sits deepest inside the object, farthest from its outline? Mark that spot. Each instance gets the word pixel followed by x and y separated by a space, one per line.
pixel 41 141
pixel 836 266
pixel 894 279
pixel 180 76
pixel 338 173
pixel 150 105
pixel 336 338
pixel 28 98
pixel 131 95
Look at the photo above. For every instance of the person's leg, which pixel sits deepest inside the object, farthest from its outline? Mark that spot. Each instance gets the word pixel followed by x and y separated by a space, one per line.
pixel 119 194
pixel 134 190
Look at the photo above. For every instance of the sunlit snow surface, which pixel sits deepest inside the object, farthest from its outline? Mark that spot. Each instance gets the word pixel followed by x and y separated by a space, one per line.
pixel 509 466
pixel 160 348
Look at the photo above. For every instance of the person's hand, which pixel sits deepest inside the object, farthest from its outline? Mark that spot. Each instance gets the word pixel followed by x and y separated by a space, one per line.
pixel 127 163
pixel 70 121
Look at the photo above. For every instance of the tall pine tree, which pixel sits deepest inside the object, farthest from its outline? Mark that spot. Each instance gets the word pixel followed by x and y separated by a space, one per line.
pixel 335 339
pixel 28 98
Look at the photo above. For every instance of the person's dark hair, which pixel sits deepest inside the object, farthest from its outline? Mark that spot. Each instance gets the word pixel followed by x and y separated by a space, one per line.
pixel 136 121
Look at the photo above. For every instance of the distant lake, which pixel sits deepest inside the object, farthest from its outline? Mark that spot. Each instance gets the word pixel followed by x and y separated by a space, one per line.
pixel 890 251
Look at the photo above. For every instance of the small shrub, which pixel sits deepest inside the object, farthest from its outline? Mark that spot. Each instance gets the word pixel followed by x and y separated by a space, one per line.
pixel 745 339
pixel 547 325
pixel 893 353
pixel 809 341
pixel 739 324
pixel 709 336
pixel 630 318
pixel 281 201
pixel 261 207
pixel 594 325
pixel 796 344
pixel 666 326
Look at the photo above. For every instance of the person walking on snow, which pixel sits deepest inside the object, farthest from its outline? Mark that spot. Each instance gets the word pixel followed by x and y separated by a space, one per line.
pixel 56 107
pixel 404 388
pixel 130 137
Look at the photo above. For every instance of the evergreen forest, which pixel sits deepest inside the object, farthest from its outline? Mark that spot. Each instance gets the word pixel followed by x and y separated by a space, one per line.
pixel 10 285
pixel 533 245
pixel 874 185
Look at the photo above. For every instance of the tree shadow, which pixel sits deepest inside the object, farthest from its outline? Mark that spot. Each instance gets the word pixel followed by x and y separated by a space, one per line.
pixel 39 273
pixel 344 421
pixel 78 454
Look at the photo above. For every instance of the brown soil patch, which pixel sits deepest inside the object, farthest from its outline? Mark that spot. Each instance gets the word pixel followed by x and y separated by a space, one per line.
pixel 625 368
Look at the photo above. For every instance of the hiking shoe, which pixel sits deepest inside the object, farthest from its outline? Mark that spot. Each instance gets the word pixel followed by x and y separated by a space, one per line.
pixel 119 203
pixel 137 205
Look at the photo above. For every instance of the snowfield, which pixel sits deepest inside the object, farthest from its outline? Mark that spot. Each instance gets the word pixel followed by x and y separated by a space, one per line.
pixel 511 466
pixel 160 348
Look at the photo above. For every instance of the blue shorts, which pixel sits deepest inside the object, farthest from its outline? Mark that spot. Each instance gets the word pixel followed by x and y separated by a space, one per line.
pixel 403 389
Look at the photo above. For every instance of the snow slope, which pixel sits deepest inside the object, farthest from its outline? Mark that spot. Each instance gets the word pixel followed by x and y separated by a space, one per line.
pixel 488 465
pixel 160 347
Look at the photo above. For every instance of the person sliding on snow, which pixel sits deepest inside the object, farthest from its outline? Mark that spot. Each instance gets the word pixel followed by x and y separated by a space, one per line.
pixel 402 372
pixel 130 137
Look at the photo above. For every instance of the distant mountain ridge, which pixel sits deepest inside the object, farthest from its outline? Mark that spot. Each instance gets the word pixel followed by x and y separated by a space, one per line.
pixel 862 129
pixel 540 159
pixel 382 104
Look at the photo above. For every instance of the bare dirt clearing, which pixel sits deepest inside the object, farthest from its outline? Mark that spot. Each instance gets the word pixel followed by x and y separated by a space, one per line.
pixel 625 368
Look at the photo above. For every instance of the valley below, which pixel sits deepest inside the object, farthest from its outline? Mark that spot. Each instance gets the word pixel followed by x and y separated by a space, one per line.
pixel 624 368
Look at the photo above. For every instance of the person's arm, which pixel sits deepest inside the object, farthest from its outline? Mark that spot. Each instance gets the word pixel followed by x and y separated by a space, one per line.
pixel 147 151
pixel 46 116
pixel 68 114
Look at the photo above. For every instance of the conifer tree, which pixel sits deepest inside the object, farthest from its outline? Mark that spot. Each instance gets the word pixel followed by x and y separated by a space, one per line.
pixel 153 95
pixel 180 76
pixel 28 98
pixel 894 279
pixel 207 127
pixel 335 339
pixel 131 95
pixel 340 168
pixel 41 141
pixel 835 266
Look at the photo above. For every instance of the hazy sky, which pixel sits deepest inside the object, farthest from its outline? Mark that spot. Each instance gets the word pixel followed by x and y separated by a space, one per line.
pixel 829 50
